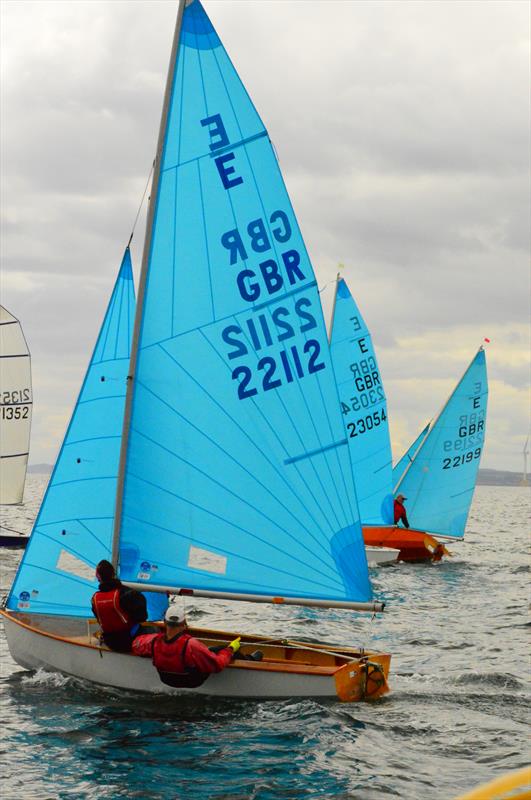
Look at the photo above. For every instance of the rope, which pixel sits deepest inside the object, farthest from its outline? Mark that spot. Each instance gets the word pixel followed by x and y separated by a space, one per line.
pixel 293 646
pixel 326 285
pixel 141 203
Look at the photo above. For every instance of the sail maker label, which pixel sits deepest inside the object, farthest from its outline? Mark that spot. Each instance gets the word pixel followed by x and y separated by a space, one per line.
pixel 284 327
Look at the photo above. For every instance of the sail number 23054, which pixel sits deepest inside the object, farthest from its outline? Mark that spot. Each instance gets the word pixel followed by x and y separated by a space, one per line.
pixel 366 423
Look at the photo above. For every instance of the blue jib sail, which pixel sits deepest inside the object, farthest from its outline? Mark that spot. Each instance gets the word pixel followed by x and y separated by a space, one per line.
pixel 401 465
pixel 364 409
pixel 237 473
pixel 73 529
pixel 439 483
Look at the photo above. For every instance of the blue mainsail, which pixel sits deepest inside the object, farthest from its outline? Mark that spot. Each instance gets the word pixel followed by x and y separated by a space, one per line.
pixel 439 483
pixel 73 529
pixel 364 409
pixel 237 473
pixel 401 465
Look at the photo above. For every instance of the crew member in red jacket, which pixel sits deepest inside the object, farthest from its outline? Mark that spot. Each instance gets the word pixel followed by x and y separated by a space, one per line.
pixel 400 510
pixel 118 609
pixel 180 659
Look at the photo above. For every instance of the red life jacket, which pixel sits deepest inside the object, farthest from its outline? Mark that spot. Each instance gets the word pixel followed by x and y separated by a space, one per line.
pixel 169 658
pixel 110 614
pixel 400 511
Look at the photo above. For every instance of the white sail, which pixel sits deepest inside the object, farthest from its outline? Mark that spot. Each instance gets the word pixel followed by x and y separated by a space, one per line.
pixel 15 408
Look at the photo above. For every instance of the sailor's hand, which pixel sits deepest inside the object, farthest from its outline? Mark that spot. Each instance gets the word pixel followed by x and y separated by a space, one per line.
pixel 235 645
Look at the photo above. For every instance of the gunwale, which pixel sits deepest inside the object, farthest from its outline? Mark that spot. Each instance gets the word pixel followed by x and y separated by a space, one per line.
pixel 340 655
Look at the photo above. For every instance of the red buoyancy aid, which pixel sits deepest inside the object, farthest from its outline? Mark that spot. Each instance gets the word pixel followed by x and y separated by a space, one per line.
pixel 170 656
pixel 399 511
pixel 110 614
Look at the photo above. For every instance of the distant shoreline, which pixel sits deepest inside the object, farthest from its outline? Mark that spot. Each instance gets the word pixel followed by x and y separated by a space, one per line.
pixel 486 477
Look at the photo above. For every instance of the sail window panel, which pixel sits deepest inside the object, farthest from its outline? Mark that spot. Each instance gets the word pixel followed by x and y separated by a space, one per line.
pixel 440 481
pixel 364 409
pixel 76 514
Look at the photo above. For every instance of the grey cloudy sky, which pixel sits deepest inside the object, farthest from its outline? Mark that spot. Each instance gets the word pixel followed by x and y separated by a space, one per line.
pixel 402 130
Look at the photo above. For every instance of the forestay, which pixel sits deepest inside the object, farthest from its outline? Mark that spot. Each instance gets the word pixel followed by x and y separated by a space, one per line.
pixel 439 483
pixel 237 474
pixel 401 466
pixel 15 408
pixel 364 409
pixel 73 529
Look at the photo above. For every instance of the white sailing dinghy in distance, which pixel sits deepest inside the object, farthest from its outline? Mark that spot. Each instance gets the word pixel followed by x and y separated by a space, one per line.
pixel 15 416
pixel 234 478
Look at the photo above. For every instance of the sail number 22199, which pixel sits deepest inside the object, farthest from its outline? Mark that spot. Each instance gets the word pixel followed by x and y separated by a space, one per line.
pixel 458 461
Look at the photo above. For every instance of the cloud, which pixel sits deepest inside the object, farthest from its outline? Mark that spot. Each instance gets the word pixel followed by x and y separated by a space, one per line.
pixel 402 130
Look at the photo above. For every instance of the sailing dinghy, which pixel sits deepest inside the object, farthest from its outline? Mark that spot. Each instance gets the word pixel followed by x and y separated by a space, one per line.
pixel 364 410
pixel 15 412
pixel 234 477
pixel 439 482
pixel 440 471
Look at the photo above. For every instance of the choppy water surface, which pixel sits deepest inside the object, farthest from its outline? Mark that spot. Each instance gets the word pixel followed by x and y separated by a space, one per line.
pixel 456 714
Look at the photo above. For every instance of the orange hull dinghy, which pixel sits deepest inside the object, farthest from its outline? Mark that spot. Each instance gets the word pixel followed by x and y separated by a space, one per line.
pixel 413 545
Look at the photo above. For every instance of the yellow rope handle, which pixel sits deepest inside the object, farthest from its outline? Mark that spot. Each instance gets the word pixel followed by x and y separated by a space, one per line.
pixel 498 789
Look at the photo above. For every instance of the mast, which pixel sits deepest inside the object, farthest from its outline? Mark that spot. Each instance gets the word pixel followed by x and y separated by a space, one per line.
pixel 153 200
pixel 433 424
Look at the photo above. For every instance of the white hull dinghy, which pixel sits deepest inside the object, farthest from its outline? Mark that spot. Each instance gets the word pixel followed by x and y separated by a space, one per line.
pixel 287 669
pixel 380 556
pixel 206 455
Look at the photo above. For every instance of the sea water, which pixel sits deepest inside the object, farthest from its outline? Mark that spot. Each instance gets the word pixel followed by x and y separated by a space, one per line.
pixel 456 715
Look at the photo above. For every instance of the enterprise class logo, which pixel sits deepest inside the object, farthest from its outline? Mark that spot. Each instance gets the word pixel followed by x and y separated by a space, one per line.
pixel 145 571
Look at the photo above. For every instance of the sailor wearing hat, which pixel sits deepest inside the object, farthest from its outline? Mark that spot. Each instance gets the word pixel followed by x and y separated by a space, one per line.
pixel 400 510
pixel 180 659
